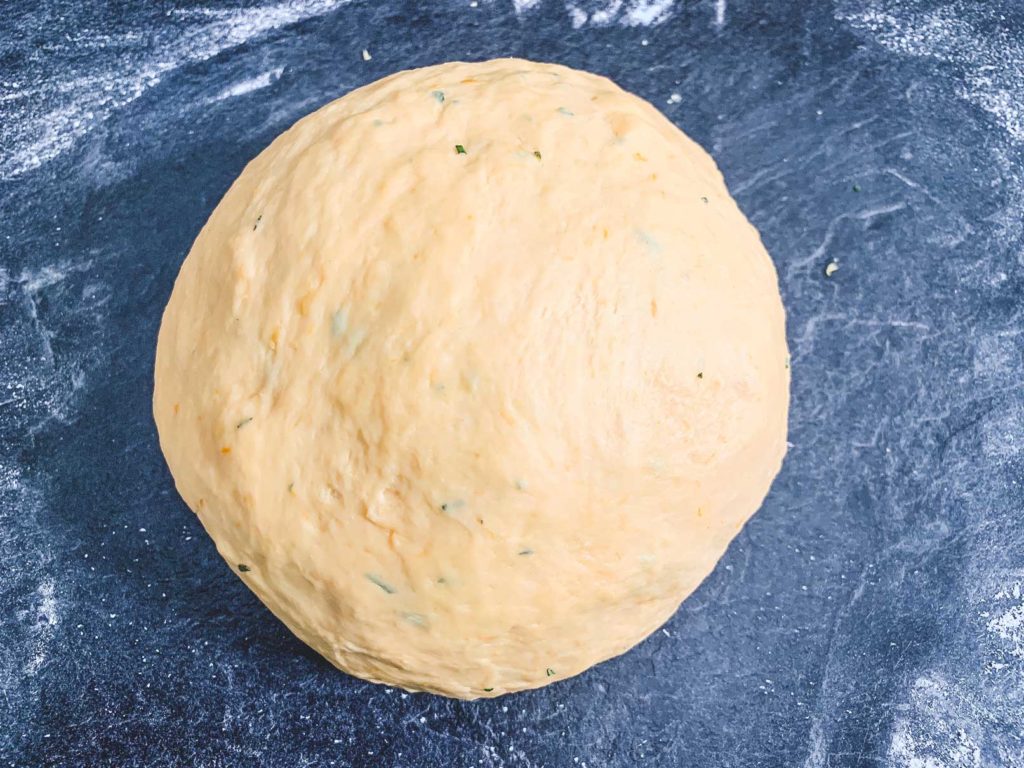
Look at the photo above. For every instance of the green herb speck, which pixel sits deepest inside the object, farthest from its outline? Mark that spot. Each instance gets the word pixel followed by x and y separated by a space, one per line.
pixel 460 150
pixel 381 583
pixel 526 551
pixel 520 485
pixel 536 153
pixel 549 671
pixel 258 220
pixel 244 568
pixel 645 237
pixel 787 362
pixel 451 506
pixel 700 375
pixel 856 187
pixel 704 199
pixel 438 96
pixel 566 112
pixel 488 689
pixel 243 422
pixel 339 322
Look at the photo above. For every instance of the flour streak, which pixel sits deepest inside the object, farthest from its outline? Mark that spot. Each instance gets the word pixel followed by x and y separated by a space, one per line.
pixel 986 60
pixel 41 120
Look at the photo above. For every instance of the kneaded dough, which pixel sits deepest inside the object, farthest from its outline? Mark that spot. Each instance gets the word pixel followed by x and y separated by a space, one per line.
pixel 473 374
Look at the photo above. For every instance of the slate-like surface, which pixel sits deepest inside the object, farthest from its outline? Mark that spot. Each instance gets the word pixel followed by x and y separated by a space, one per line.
pixel 871 613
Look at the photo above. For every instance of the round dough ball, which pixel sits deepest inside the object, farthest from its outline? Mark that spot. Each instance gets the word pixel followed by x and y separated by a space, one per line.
pixel 473 374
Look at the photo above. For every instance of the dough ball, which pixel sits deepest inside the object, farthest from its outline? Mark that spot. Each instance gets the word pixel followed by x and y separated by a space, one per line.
pixel 473 374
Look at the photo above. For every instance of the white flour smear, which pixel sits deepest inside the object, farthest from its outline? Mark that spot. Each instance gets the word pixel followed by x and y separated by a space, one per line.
pixel 935 730
pixel 966 712
pixel 42 624
pixel 31 627
pixel 1002 433
pixel 966 709
pixel 72 93
pixel 603 13
pixel 250 85
pixel 988 60
pixel 524 5
pixel 1008 626
pixel 720 6
pixel 41 385
pixel 647 14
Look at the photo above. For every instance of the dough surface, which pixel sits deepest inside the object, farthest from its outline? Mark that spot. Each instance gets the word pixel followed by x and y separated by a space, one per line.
pixel 473 374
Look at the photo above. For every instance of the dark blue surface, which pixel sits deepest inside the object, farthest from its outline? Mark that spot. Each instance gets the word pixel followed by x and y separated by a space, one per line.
pixel 870 614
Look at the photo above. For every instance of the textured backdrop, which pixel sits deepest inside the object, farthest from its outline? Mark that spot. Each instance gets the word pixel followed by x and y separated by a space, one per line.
pixel 871 614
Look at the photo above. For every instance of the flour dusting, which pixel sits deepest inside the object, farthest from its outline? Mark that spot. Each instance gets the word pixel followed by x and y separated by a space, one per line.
pixel 44 378
pixel 634 13
pixel 1002 433
pixel 70 94
pixel 521 6
pixel 987 59
pixel 647 14
pixel 720 7
pixel 576 16
pixel 36 380
pixel 1008 626
pixel 251 84
pixel 966 708
pixel 26 586
pixel 42 624
pixel 936 729
pixel 998 356
pixel 34 281
pixel 817 754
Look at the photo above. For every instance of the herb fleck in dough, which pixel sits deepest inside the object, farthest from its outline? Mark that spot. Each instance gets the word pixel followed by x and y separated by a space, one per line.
pixel 472 420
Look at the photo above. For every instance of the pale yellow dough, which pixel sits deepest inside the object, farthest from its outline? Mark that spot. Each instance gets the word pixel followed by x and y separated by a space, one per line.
pixel 473 374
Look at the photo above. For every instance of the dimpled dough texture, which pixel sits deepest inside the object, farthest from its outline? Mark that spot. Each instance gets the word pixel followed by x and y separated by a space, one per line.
pixel 473 374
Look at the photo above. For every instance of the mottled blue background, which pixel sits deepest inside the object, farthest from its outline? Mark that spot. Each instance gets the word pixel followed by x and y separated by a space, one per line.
pixel 870 614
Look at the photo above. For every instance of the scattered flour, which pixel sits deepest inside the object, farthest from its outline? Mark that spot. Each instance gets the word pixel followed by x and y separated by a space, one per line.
pixel 964 708
pixel 817 754
pixel 66 95
pixel 1002 433
pixel 998 356
pixel 1008 627
pixel 524 5
pixel 935 729
pixel 38 387
pixel 27 586
pixel 627 13
pixel 969 37
pixel 42 624
pixel 576 16
pixel 948 718
pixel 647 14
pixel 68 98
